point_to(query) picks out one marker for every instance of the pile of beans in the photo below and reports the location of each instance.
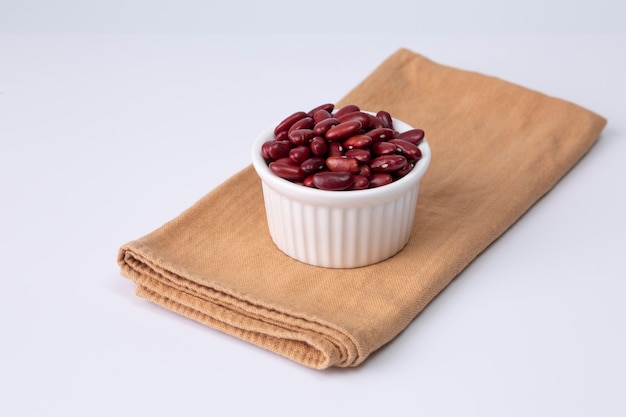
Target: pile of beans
(346, 149)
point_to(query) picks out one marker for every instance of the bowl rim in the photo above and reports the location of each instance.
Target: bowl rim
(337, 198)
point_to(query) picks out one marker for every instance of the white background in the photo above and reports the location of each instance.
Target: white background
(116, 116)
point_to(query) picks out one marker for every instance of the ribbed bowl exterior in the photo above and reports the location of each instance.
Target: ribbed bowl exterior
(339, 237)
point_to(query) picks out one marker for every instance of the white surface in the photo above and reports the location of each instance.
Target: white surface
(111, 124)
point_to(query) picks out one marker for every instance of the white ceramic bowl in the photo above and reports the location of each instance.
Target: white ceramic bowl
(340, 229)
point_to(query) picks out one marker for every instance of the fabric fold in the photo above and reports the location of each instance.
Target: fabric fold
(497, 148)
(302, 339)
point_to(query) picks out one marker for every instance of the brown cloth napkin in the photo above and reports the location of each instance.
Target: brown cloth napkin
(497, 148)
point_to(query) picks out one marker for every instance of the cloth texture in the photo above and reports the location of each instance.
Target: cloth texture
(497, 148)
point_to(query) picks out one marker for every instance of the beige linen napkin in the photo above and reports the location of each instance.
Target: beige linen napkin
(497, 148)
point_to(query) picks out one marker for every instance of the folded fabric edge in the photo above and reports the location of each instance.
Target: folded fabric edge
(403, 55)
(311, 344)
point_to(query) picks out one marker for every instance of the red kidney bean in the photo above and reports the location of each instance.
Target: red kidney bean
(360, 183)
(304, 123)
(322, 127)
(333, 181)
(375, 122)
(415, 136)
(289, 121)
(284, 135)
(364, 118)
(361, 155)
(299, 154)
(301, 136)
(344, 130)
(265, 149)
(342, 163)
(321, 115)
(357, 141)
(313, 165)
(365, 171)
(308, 182)
(285, 160)
(279, 149)
(329, 107)
(383, 148)
(379, 179)
(319, 146)
(287, 171)
(407, 149)
(348, 108)
(385, 117)
(335, 149)
(403, 171)
(380, 134)
(388, 163)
